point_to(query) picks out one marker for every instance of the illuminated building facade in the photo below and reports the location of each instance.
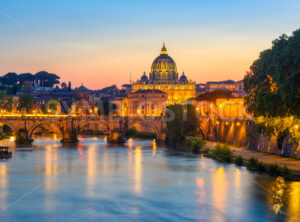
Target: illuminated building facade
(81, 105)
(232, 108)
(164, 77)
(237, 88)
(147, 103)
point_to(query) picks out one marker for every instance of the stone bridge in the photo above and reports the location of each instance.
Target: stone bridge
(68, 127)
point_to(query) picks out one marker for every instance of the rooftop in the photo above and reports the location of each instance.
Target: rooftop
(149, 91)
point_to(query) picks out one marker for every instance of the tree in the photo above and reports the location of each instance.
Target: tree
(25, 77)
(10, 79)
(52, 105)
(214, 95)
(63, 86)
(46, 79)
(9, 104)
(69, 86)
(273, 83)
(106, 108)
(181, 122)
(44, 109)
(6, 102)
(2, 98)
(273, 87)
(26, 102)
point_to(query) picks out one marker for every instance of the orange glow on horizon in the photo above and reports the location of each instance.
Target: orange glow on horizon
(212, 61)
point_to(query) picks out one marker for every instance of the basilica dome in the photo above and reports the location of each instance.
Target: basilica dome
(144, 78)
(183, 78)
(163, 62)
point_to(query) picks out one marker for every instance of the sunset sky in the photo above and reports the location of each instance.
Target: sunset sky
(99, 43)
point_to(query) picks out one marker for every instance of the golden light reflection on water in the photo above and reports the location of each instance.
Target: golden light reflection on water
(130, 143)
(51, 171)
(92, 166)
(12, 139)
(154, 147)
(3, 185)
(219, 185)
(294, 202)
(138, 169)
(51, 168)
(285, 197)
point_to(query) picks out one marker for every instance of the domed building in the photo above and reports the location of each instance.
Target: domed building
(164, 77)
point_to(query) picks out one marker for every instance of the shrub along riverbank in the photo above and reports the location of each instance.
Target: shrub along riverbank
(222, 153)
(133, 133)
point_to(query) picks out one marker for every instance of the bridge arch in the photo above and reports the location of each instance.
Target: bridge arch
(13, 128)
(49, 125)
(95, 125)
(147, 126)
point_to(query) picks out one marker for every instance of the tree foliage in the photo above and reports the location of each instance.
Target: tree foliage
(273, 83)
(6, 102)
(42, 78)
(26, 102)
(214, 95)
(46, 79)
(181, 122)
(106, 108)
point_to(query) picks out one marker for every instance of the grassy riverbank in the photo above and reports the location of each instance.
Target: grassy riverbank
(254, 161)
(257, 161)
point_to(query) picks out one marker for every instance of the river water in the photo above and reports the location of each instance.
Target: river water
(140, 181)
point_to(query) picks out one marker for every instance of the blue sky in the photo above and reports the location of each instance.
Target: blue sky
(102, 42)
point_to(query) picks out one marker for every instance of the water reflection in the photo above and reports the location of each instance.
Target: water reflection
(237, 181)
(294, 202)
(51, 168)
(154, 147)
(3, 185)
(201, 192)
(130, 143)
(219, 184)
(51, 171)
(279, 194)
(140, 181)
(92, 166)
(12, 139)
(138, 169)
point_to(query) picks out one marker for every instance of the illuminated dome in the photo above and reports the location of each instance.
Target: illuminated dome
(163, 69)
(183, 78)
(144, 78)
(163, 62)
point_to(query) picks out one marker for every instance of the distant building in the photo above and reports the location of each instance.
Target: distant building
(226, 85)
(237, 88)
(82, 105)
(232, 108)
(126, 88)
(64, 98)
(27, 86)
(81, 93)
(105, 93)
(200, 88)
(147, 103)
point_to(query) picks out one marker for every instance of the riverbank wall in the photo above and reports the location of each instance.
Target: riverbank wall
(245, 133)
